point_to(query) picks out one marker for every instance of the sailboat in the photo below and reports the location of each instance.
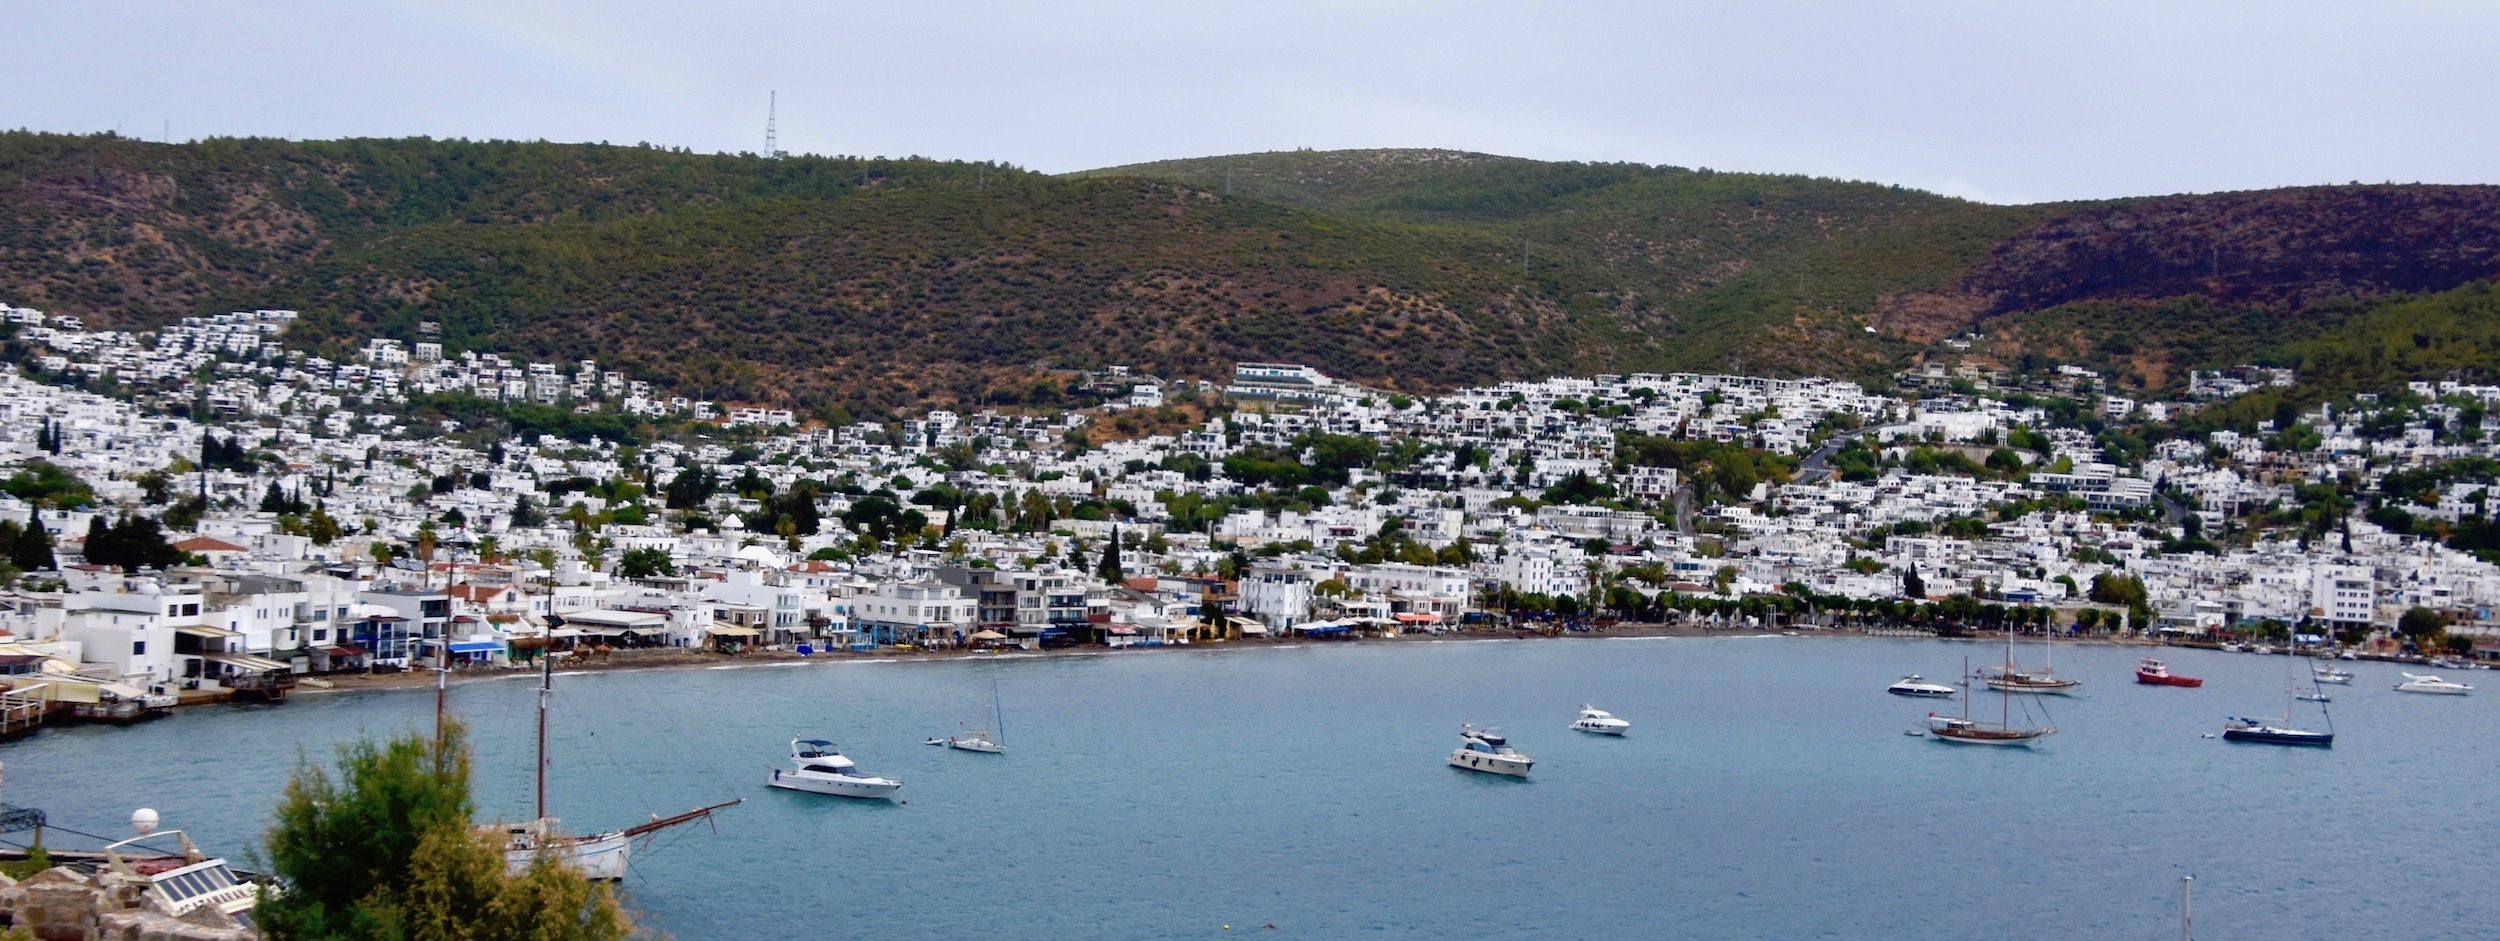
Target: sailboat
(985, 742)
(602, 856)
(2012, 679)
(2262, 732)
(1968, 731)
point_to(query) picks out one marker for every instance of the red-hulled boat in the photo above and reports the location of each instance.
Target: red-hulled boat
(2153, 672)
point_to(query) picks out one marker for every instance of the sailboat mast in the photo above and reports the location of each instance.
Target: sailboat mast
(2186, 932)
(1965, 689)
(998, 711)
(546, 688)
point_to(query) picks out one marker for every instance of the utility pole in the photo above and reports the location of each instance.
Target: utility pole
(1523, 256)
(1228, 181)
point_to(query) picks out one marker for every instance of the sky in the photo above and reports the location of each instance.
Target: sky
(1999, 101)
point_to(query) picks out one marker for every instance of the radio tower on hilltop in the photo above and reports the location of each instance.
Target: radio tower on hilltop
(772, 142)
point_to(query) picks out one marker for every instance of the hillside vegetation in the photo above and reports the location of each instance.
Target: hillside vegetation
(814, 281)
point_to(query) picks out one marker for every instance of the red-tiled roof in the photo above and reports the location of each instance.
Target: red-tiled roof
(208, 544)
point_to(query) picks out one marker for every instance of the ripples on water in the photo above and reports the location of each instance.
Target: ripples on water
(1766, 791)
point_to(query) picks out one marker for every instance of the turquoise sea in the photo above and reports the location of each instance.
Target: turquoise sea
(1766, 791)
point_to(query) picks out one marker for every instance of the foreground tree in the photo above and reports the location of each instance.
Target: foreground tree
(385, 850)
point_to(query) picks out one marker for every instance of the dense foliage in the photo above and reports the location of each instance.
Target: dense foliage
(130, 543)
(385, 851)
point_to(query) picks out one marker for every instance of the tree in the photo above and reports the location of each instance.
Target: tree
(689, 488)
(130, 544)
(321, 527)
(28, 549)
(2113, 588)
(645, 563)
(526, 514)
(386, 849)
(46, 484)
(2421, 624)
(1111, 571)
(1912, 586)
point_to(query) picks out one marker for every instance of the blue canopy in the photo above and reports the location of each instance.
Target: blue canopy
(475, 646)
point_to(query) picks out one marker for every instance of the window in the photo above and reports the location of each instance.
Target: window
(138, 648)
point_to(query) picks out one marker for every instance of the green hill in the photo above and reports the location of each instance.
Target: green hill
(902, 282)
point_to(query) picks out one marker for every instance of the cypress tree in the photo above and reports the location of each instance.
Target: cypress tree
(1110, 570)
(31, 551)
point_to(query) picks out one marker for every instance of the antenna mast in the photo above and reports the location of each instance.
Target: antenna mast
(772, 141)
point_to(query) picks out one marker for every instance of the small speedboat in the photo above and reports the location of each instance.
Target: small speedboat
(1599, 721)
(2153, 672)
(1486, 750)
(2331, 675)
(2309, 694)
(1915, 685)
(818, 767)
(2427, 683)
(2265, 733)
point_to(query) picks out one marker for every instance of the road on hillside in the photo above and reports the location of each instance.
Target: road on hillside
(1818, 464)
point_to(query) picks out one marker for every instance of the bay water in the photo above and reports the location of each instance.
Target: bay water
(1766, 791)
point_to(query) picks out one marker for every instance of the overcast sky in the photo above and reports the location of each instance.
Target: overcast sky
(2013, 101)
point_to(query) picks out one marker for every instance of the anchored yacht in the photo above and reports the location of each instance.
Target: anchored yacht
(1916, 685)
(1487, 751)
(818, 767)
(1599, 721)
(2427, 683)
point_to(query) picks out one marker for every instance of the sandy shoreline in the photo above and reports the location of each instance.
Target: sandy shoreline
(686, 660)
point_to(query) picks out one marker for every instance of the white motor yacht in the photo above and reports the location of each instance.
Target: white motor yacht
(818, 767)
(2427, 683)
(2326, 674)
(1599, 721)
(1487, 751)
(1916, 685)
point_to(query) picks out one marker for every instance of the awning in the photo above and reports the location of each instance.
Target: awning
(203, 630)
(1418, 617)
(1120, 631)
(564, 632)
(350, 650)
(245, 661)
(120, 691)
(988, 635)
(474, 646)
(727, 630)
